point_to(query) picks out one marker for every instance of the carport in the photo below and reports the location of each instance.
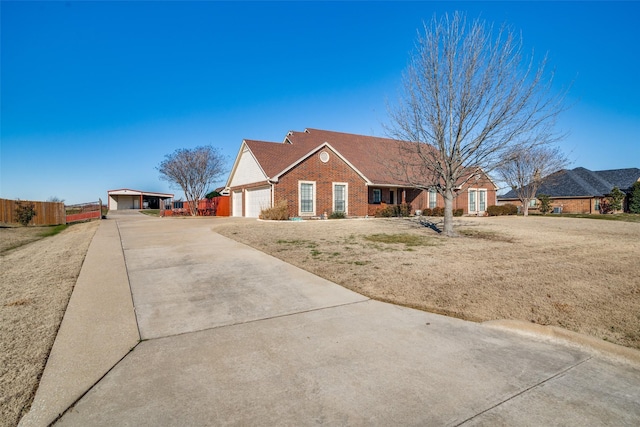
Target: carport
(126, 198)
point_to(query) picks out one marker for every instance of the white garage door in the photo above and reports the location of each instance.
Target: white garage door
(257, 199)
(237, 203)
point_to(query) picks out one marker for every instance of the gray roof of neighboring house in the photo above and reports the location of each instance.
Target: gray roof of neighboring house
(581, 182)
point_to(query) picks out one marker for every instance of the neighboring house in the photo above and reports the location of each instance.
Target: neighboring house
(318, 172)
(580, 190)
(135, 199)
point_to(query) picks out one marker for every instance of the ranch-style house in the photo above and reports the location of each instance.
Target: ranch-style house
(318, 172)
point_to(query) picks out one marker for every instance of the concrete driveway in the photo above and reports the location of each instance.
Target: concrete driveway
(231, 336)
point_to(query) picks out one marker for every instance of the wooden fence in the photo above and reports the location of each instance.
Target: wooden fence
(47, 213)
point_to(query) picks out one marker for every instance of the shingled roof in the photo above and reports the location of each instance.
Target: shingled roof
(369, 155)
(582, 182)
(380, 161)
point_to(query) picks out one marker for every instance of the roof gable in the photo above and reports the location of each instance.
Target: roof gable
(246, 169)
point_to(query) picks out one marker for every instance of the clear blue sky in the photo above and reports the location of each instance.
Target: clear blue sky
(94, 94)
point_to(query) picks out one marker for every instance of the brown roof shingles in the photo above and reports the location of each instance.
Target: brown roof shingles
(378, 159)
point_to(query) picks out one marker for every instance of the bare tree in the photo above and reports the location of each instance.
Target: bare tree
(467, 98)
(524, 169)
(193, 170)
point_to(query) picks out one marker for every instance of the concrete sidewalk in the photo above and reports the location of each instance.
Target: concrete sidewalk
(235, 337)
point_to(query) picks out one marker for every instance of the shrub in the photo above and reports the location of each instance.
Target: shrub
(337, 215)
(458, 212)
(545, 203)
(394, 211)
(279, 212)
(510, 209)
(494, 210)
(634, 199)
(615, 198)
(437, 211)
(25, 211)
(497, 210)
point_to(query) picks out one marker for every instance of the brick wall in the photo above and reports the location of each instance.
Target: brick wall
(583, 205)
(324, 175)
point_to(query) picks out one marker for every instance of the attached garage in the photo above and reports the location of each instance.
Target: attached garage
(236, 201)
(257, 199)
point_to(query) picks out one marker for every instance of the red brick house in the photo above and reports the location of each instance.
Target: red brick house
(580, 190)
(318, 172)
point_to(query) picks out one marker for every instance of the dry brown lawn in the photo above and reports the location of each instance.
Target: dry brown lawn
(36, 280)
(579, 274)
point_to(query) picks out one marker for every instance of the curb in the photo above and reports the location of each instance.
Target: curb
(593, 344)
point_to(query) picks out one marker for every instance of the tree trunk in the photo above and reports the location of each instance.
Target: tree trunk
(448, 213)
(525, 209)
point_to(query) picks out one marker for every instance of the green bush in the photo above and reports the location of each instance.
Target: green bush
(634, 199)
(545, 203)
(25, 211)
(279, 212)
(498, 210)
(394, 211)
(616, 198)
(510, 209)
(337, 215)
(458, 212)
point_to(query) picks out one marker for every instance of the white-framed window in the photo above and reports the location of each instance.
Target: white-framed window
(597, 204)
(432, 198)
(340, 196)
(482, 200)
(477, 200)
(306, 198)
(377, 195)
(533, 203)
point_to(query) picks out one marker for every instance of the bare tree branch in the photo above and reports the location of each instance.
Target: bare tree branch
(468, 98)
(193, 171)
(524, 169)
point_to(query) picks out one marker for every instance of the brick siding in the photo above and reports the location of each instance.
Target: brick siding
(324, 175)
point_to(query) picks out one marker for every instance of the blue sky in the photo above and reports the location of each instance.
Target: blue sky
(94, 94)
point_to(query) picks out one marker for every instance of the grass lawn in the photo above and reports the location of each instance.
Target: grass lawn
(552, 270)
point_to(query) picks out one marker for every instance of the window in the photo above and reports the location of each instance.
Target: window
(533, 203)
(306, 195)
(597, 205)
(472, 201)
(432, 199)
(477, 200)
(377, 195)
(340, 197)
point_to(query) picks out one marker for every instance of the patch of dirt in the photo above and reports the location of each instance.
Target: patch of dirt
(36, 281)
(579, 274)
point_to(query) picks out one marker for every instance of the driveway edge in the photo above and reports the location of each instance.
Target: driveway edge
(594, 344)
(98, 329)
